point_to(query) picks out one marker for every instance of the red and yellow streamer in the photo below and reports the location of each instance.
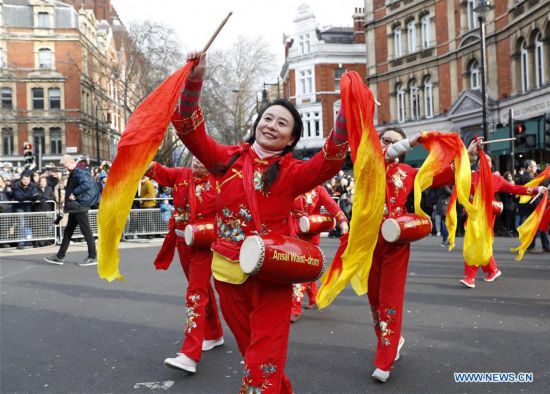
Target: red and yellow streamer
(370, 189)
(137, 148)
(529, 228)
(534, 183)
(479, 236)
(444, 149)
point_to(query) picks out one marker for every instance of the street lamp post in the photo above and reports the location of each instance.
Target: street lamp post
(482, 9)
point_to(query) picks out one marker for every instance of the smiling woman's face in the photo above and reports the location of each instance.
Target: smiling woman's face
(274, 131)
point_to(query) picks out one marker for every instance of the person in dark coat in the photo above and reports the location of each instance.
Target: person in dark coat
(25, 192)
(81, 193)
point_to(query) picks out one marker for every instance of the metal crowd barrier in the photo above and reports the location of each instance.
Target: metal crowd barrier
(17, 227)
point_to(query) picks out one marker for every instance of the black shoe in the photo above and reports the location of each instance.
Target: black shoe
(88, 261)
(54, 260)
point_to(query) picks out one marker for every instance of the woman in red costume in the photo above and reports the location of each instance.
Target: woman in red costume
(194, 199)
(390, 260)
(307, 204)
(257, 185)
(499, 185)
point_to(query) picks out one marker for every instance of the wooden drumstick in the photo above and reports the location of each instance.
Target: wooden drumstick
(222, 24)
(500, 140)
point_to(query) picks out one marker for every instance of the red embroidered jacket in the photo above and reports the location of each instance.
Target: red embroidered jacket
(502, 185)
(310, 203)
(400, 183)
(238, 198)
(194, 199)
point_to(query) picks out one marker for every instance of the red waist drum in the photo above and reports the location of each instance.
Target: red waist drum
(497, 207)
(200, 234)
(282, 259)
(315, 224)
(406, 228)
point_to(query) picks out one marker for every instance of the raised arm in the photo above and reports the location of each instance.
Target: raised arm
(189, 121)
(502, 185)
(164, 176)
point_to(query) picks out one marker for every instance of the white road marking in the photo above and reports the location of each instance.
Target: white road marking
(155, 385)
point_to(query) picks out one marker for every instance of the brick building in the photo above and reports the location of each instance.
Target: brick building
(423, 63)
(60, 79)
(314, 62)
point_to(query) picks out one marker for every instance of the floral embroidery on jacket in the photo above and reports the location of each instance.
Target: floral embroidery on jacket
(200, 188)
(397, 179)
(258, 182)
(192, 303)
(298, 290)
(231, 226)
(182, 215)
(309, 198)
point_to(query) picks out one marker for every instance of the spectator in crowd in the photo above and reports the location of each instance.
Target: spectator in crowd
(509, 207)
(6, 195)
(147, 193)
(24, 191)
(35, 177)
(45, 193)
(81, 193)
(6, 171)
(53, 176)
(441, 210)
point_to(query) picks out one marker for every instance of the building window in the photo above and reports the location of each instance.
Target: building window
(55, 140)
(3, 62)
(312, 124)
(6, 97)
(428, 98)
(524, 67)
(54, 96)
(306, 81)
(7, 140)
(37, 98)
(415, 105)
(44, 20)
(337, 76)
(39, 141)
(539, 60)
(397, 49)
(472, 16)
(45, 59)
(426, 31)
(411, 37)
(400, 103)
(304, 44)
(474, 76)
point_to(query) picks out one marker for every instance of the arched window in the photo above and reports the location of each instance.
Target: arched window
(397, 49)
(539, 60)
(55, 140)
(39, 141)
(411, 36)
(428, 98)
(474, 76)
(413, 98)
(45, 59)
(7, 140)
(524, 66)
(400, 94)
(426, 31)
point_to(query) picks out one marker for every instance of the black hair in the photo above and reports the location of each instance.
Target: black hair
(270, 174)
(398, 130)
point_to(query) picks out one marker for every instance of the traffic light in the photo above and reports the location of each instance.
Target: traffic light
(519, 133)
(547, 132)
(28, 155)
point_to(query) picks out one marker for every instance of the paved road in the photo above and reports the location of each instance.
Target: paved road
(64, 330)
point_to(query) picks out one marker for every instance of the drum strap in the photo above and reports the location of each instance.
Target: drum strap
(248, 184)
(191, 196)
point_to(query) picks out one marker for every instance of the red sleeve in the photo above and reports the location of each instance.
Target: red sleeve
(306, 175)
(445, 178)
(163, 175)
(328, 202)
(502, 185)
(191, 131)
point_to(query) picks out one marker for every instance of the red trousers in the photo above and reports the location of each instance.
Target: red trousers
(470, 271)
(203, 321)
(386, 292)
(298, 293)
(257, 313)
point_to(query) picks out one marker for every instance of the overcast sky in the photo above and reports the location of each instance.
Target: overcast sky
(195, 21)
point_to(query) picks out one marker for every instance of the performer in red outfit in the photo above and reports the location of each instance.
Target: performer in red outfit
(390, 260)
(194, 199)
(257, 185)
(499, 185)
(308, 204)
